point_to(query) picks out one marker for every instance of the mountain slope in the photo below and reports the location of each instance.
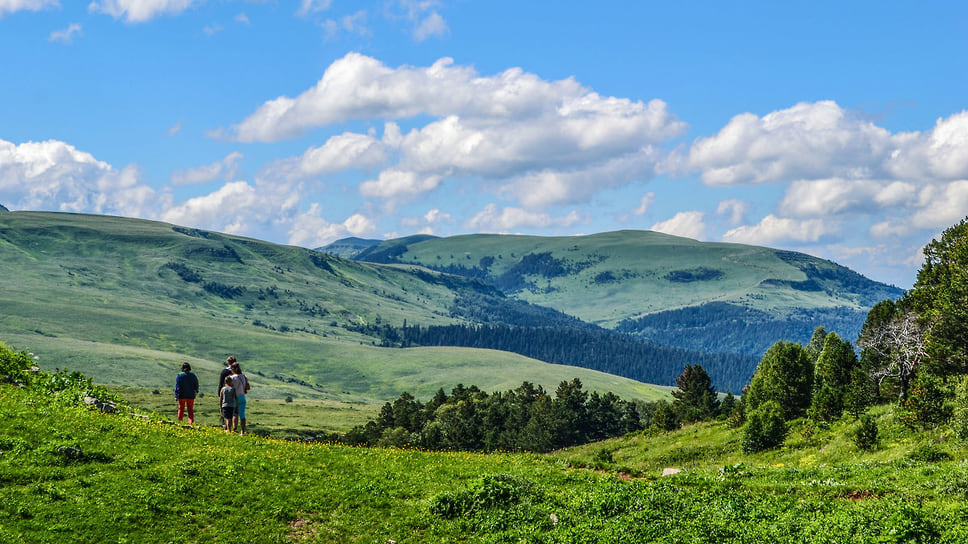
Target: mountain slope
(705, 296)
(127, 300)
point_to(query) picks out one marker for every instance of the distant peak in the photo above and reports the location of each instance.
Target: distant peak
(3, 208)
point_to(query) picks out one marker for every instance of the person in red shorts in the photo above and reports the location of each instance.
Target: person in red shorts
(186, 389)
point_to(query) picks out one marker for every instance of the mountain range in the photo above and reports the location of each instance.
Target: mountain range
(674, 291)
(126, 300)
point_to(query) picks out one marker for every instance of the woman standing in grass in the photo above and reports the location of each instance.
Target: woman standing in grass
(226, 399)
(186, 389)
(241, 384)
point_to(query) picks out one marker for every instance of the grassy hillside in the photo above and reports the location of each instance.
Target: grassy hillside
(622, 279)
(127, 301)
(72, 474)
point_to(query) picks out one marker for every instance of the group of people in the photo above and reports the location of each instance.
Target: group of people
(233, 386)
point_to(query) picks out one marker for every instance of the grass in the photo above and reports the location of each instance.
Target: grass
(72, 474)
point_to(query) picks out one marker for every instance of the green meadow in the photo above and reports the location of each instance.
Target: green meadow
(69, 473)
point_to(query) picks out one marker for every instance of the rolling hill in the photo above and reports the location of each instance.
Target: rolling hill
(711, 297)
(126, 301)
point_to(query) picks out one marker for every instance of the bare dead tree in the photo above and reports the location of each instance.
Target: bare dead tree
(902, 342)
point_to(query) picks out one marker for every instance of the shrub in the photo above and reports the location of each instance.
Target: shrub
(959, 420)
(865, 436)
(765, 428)
(925, 405)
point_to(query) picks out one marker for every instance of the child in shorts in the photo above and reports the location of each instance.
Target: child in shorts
(226, 397)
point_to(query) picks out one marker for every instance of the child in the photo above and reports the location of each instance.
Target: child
(226, 397)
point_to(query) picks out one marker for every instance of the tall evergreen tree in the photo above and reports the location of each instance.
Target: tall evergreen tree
(832, 378)
(940, 297)
(695, 397)
(784, 375)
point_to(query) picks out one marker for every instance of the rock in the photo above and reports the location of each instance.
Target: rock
(70, 452)
(669, 471)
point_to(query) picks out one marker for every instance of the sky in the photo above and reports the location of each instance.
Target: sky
(838, 129)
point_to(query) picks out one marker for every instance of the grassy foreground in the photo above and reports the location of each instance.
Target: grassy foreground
(72, 474)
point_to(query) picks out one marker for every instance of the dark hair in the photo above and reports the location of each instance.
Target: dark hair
(186, 367)
(230, 359)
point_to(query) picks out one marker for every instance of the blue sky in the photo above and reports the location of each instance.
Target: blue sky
(835, 128)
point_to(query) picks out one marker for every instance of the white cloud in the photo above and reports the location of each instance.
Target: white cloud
(53, 175)
(212, 29)
(734, 209)
(686, 224)
(360, 87)
(772, 229)
(939, 154)
(225, 169)
(242, 18)
(807, 141)
(307, 7)
(139, 11)
(67, 35)
(226, 210)
(644, 204)
(354, 24)
(340, 152)
(311, 230)
(12, 6)
(492, 219)
(175, 129)
(549, 142)
(425, 224)
(431, 25)
(942, 206)
(399, 185)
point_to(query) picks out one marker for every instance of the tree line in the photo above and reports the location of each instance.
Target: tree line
(527, 418)
(585, 347)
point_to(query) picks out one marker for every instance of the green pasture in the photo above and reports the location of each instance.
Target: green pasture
(70, 474)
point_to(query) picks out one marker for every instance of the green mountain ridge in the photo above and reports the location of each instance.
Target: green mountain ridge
(713, 297)
(126, 300)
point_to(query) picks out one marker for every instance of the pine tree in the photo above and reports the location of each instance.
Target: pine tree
(695, 397)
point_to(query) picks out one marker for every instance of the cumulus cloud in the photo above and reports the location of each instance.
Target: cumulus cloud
(11, 6)
(360, 87)
(939, 154)
(809, 140)
(54, 175)
(224, 169)
(772, 229)
(425, 224)
(541, 142)
(311, 230)
(341, 152)
(140, 11)
(942, 205)
(67, 35)
(494, 219)
(735, 210)
(431, 25)
(687, 224)
(399, 185)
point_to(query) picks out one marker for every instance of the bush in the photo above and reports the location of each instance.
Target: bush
(959, 420)
(765, 428)
(925, 406)
(865, 436)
